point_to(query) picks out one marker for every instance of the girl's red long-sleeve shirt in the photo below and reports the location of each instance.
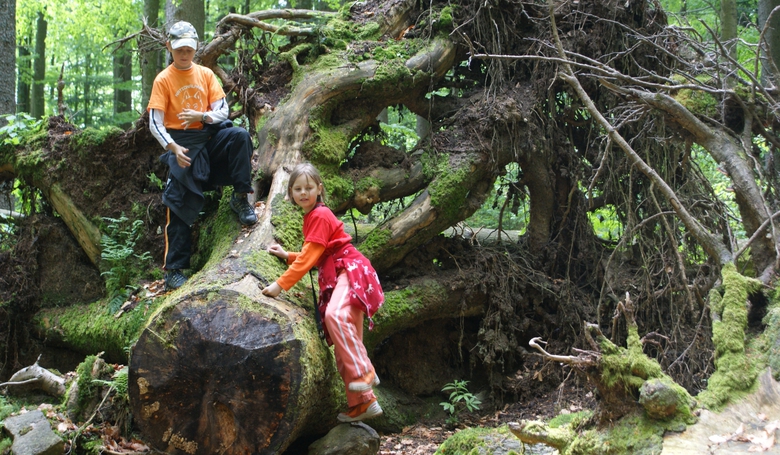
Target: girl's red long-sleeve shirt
(327, 246)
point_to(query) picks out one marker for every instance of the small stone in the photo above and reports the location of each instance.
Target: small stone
(32, 435)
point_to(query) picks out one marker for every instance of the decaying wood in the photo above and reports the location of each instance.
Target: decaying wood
(35, 377)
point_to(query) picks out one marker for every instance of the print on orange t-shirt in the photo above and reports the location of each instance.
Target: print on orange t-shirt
(175, 90)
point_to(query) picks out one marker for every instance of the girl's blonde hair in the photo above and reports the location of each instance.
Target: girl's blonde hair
(309, 171)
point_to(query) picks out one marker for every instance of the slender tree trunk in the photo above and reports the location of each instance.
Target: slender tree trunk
(39, 68)
(771, 58)
(8, 56)
(150, 58)
(192, 11)
(123, 74)
(728, 24)
(24, 70)
(87, 89)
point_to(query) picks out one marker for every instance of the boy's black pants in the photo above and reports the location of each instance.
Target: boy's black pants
(230, 161)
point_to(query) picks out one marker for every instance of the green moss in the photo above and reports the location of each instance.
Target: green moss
(327, 144)
(401, 305)
(735, 372)
(6, 408)
(217, 234)
(368, 183)
(449, 190)
(630, 366)
(287, 219)
(91, 137)
(698, 102)
(338, 188)
(480, 441)
(28, 164)
(769, 341)
(337, 33)
(89, 328)
(86, 387)
(291, 55)
(573, 419)
(374, 241)
(445, 17)
(634, 434)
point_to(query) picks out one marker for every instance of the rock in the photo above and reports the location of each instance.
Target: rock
(32, 435)
(659, 399)
(354, 438)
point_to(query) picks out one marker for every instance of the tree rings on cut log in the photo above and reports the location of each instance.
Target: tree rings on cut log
(211, 375)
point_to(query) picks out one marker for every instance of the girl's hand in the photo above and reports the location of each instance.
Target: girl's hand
(278, 251)
(272, 290)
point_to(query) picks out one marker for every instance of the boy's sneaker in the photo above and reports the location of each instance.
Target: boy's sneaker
(361, 412)
(246, 213)
(367, 382)
(174, 279)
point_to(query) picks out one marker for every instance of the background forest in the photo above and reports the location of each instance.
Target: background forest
(574, 195)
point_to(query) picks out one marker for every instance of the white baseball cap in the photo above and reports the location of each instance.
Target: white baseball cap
(183, 34)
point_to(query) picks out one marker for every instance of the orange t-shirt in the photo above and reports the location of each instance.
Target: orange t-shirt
(175, 90)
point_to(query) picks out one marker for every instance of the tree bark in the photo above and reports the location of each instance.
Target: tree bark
(728, 34)
(24, 72)
(38, 105)
(123, 74)
(150, 56)
(8, 57)
(770, 59)
(192, 11)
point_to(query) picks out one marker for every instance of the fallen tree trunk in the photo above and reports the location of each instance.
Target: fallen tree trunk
(220, 372)
(36, 377)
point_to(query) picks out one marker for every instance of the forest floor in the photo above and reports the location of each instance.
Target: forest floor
(424, 438)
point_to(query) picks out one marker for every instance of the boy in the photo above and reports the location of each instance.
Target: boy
(188, 116)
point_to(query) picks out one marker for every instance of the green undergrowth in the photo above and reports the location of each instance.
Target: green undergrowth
(6, 409)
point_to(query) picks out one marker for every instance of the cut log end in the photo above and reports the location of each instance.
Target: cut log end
(210, 375)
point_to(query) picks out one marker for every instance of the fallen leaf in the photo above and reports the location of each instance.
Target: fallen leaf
(717, 439)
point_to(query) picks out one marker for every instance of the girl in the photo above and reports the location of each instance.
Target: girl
(349, 287)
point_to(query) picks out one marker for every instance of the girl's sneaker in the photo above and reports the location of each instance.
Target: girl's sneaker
(361, 412)
(366, 383)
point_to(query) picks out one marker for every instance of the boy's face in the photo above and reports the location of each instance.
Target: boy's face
(182, 57)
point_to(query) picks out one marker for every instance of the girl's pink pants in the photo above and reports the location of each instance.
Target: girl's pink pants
(345, 326)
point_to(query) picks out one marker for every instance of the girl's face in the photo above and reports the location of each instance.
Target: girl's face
(305, 192)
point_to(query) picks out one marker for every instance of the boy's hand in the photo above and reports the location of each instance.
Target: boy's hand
(278, 251)
(189, 116)
(181, 158)
(272, 290)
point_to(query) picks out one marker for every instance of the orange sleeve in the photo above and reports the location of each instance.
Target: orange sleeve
(302, 263)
